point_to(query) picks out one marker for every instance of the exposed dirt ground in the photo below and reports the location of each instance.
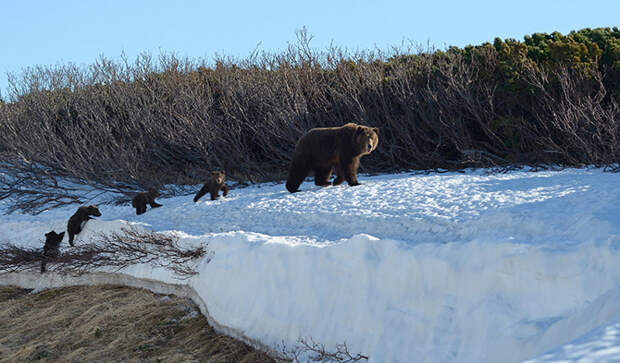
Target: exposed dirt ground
(110, 323)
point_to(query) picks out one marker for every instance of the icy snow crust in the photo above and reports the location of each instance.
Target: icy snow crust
(442, 267)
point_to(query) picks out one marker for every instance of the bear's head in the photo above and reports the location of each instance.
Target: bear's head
(92, 210)
(366, 139)
(53, 239)
(153, 192)
(218, 177)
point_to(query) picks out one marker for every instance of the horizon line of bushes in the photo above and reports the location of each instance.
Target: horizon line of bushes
(124, 126)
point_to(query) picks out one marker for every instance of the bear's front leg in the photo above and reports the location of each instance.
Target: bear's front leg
(224, 190)
(350, 172)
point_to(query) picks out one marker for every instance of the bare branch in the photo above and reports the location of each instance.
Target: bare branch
(307, 349)
(115, 250)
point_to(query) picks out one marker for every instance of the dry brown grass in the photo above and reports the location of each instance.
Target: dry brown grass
(110, 323)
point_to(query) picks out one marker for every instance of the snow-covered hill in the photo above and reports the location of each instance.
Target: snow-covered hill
(442, 267)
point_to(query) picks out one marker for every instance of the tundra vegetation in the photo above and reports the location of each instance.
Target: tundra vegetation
(125, 125)
(110, 323)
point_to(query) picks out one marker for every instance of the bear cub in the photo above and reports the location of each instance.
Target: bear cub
(141, 199)
(213, 186)
(323, 150)
(50, 249)
(81, 215)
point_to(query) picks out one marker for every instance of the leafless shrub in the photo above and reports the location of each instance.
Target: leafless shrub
(132, 246)
(115, 250)
(307, 350)
(34, 188)
(126, 126)
(15, 258)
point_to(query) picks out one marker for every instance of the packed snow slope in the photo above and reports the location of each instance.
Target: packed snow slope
(469, 267)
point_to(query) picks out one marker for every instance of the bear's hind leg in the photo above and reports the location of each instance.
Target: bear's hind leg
(322, 175)
(201, 192)
(339, 176)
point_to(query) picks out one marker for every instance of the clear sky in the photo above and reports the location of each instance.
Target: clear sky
(48, 32)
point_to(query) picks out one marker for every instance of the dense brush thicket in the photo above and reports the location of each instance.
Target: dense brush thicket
(127, 125)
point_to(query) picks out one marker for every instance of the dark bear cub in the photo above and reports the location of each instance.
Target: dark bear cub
(323, 150)
(141, 199)
(82, 215)
(213, 186)
(50, 249)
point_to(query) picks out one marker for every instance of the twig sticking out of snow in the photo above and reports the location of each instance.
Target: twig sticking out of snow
(307, 349)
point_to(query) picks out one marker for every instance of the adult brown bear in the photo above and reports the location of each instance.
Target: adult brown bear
(324, 149)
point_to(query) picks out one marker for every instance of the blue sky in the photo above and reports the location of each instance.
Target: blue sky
(58, 32)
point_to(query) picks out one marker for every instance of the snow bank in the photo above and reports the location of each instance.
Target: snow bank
(599, 345)
(451, 267)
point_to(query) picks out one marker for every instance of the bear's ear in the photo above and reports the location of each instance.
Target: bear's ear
(359, 130)
(376, 130)
(61, 234)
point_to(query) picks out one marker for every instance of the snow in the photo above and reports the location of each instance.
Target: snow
(600, 345)
(468, 267)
